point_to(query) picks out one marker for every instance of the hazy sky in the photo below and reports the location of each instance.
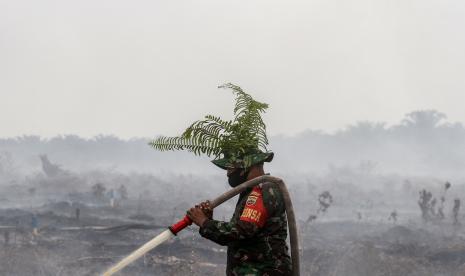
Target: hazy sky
(141, 68)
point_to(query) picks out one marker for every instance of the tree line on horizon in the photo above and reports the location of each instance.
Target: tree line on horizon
(422, 140)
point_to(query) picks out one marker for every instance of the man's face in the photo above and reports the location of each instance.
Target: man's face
(236, 176)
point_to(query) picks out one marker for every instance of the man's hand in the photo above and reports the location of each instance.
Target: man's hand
(197, 215)
(206, 213)
(207, 209)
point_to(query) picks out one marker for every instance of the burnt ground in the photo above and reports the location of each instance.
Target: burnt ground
(357, 249)
(67, 246)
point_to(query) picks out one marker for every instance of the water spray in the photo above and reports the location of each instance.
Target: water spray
(186, 221)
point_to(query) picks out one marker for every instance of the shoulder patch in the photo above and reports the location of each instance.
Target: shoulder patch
(254, 210)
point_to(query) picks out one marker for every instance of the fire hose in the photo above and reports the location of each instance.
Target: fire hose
(186, 221)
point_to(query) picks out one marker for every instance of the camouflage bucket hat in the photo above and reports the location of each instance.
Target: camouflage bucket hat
(248, 160)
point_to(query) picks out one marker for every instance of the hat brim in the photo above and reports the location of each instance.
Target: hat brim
(225, 163)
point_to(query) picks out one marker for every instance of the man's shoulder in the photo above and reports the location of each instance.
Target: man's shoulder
(272, 197)
(270, 189)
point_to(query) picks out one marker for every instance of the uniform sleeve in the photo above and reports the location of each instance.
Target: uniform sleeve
(222, 232)
(253, 217)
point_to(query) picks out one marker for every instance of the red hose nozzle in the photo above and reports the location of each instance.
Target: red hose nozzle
(178, 226)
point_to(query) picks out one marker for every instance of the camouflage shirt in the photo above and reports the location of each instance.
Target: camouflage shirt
(255, 235)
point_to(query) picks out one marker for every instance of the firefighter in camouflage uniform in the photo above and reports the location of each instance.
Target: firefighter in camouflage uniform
(256, 234)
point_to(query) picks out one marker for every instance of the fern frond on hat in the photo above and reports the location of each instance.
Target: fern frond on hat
(237, 143)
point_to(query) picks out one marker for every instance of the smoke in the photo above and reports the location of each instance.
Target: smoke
(424, 143)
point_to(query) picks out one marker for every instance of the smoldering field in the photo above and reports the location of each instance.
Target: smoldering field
(95, 201)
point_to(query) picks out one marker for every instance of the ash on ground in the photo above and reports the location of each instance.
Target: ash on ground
(63, 223)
